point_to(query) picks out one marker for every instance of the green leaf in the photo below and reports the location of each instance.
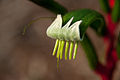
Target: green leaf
(118, 47)
(105, 5)
(116, 11)
(51, 5)
(89, 18)
(90, 52)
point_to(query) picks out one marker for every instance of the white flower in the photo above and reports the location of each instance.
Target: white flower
(69, 32)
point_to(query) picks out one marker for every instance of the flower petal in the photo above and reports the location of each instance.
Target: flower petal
(62, 31)
(54, 27)
(74, 32)
(68, 23)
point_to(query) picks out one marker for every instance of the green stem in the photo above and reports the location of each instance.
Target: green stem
(51, 5)
(118, 47)
(116, 11)
(105, 5)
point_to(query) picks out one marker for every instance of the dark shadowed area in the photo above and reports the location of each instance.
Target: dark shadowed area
(29, 57)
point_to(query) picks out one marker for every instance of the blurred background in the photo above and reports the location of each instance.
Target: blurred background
(29, 57)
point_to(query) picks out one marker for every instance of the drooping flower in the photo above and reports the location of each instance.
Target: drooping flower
(69, 33)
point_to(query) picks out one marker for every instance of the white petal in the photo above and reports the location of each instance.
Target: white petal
(74, 33)
(68, 23)
(57, 22)
(76, 24)
(53, 28)
(63, 32)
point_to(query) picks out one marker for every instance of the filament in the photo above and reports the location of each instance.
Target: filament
(75, 50)
(61, 51)
(66, 49)
(71, 50)
(60, 45)
(55, 48)
(58, 63)
(59, 48)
